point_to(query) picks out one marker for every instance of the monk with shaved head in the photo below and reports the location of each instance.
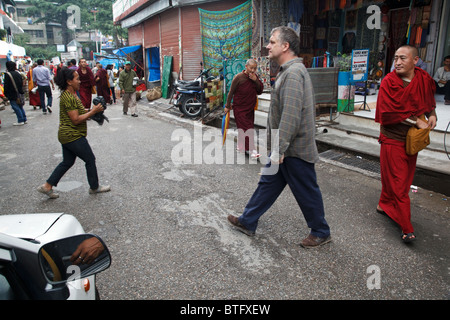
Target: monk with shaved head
(242, 99)
(406, 95)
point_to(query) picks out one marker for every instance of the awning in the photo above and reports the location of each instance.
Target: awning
(11, 49)
(126, 50)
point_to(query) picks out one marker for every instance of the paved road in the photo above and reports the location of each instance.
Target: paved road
(165, 222)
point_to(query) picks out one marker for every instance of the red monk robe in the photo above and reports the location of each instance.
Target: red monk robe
(87, 82)
(397, 102)
(102, 84)
(244, 93)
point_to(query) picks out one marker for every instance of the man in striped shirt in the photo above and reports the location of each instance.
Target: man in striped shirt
(292, 118)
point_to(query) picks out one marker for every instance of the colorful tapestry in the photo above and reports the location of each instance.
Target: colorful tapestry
(226, 34)
(263, 71)
(214, 94)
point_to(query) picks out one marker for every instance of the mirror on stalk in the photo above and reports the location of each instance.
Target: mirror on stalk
(73, 258)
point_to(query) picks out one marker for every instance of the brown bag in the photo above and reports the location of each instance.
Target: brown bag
(417, 139)
(20, 97)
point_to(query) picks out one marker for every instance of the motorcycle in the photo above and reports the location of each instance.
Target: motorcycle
(49, 257)
(188, 95)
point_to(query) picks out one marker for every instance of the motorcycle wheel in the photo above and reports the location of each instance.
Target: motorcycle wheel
(190, 106)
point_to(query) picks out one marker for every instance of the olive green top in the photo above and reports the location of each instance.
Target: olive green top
(69, 132)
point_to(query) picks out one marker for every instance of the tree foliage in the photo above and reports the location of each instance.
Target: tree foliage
(95, 15)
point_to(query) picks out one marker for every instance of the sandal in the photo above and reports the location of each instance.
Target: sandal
(381, 211)
(408, 237)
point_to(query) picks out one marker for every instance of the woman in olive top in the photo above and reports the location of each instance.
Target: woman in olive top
(72, 134)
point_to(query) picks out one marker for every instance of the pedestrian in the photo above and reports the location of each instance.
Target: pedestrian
(34, 99)
(442, 79)
(14, 92)
(42, 79)
(87, 83)
(128, 89)
(404, 96)
(111, 80)
(72, 134)
(118, 93)
(102, 83)
(72, 64)
(292, 116)
(244, 89)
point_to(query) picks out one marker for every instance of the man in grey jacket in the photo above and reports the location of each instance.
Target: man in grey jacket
(292, 117)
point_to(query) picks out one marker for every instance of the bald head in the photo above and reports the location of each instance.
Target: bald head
(413, 50)
(251, 62)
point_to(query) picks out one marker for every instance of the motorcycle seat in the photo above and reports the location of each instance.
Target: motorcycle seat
(189, 87)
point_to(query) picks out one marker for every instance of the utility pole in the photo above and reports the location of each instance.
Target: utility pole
(94, 11)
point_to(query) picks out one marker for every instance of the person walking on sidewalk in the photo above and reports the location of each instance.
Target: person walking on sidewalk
(72, 134)
(292, 115)
(244, 90)
(128, 89)
(405, 94)
(14, 92)
(42, 79)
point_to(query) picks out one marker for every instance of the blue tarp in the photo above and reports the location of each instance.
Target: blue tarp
(115, 62)
(126, 50)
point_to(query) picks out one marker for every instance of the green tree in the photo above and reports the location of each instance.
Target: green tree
(52, 11)
(100, 17)
(95, 15)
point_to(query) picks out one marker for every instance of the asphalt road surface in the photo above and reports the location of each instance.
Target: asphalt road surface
(165, 225)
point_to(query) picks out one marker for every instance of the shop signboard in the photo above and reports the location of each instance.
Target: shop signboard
(360, 65)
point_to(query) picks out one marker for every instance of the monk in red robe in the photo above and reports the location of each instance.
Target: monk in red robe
(35, 100)
(87, 83)
(243, 91)
(101, 80)
(405, 94)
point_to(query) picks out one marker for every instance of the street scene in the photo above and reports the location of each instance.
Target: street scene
(165, 224)
(230, 167)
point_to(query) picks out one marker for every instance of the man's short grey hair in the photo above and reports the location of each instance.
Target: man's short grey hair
(288, 35)
(251, 61)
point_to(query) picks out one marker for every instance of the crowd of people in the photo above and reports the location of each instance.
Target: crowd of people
(405, 100)
(35, 83)
(77, 84)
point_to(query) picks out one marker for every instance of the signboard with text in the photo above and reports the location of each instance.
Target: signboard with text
(360, 65)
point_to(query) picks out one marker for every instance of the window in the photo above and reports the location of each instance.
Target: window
(35, 33)
(6, 292)
(21, 12)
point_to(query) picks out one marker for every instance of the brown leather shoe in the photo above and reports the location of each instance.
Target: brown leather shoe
(235, 222)
(313, 241)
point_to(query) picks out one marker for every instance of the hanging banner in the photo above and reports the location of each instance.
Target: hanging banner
(360, 65)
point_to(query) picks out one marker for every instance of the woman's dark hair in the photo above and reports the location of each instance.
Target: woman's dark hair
(62, 76)
(10, 66)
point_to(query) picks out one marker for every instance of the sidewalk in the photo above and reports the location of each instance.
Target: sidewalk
(358, 132)
(442, 110)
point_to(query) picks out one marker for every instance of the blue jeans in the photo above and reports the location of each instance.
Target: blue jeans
(45, 91)
(301, 178)
(18, 109)
(78, 148)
